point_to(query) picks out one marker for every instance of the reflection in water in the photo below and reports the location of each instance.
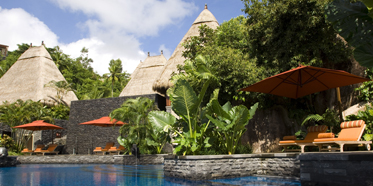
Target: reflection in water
(113, 175)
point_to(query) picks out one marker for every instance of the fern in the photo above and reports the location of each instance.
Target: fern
(313, 117)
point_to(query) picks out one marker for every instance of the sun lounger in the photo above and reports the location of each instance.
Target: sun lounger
(350, 135)
(51, 150)
(104, 150)
(312, 133)
(38, 149)
(117, 150)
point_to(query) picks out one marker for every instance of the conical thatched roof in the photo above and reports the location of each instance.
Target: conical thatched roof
(144, 76)
(28, 75)
(163, 83)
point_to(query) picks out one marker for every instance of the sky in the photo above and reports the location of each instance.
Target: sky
(110, 29)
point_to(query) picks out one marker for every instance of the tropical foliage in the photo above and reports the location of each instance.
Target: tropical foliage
(283, 33)
(231, 122)
(138, 130)
(354, 22)
(22, 112)
(329, 118)
(367, 116)
(193, 130)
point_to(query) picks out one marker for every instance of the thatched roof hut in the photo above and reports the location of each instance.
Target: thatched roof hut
(163, 81)
(28, 75)
(144, 76)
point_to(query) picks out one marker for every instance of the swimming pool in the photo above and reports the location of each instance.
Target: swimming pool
(108, 174)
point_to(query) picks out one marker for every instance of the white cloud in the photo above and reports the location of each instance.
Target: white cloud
(114, 27)
(141, 18)
(18, 26)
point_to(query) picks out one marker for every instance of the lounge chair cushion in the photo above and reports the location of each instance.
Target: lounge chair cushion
(352, 124)
(325, 135)
(26, 150)
(51, 148)
(289, 138)
(311, 135)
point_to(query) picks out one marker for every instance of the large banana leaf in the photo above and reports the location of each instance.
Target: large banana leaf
(161, 120)
(183, 99)
(354, 23)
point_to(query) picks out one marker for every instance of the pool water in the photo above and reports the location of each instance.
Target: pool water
(104, 174)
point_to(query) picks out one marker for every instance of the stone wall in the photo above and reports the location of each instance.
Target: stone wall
(348, 168)
(48, 135)
(267, 128)
(82, 139)
(92, 159)
(9, 161)
(151, 159)
(224, 166)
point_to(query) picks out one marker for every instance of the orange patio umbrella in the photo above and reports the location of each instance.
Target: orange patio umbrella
(39, 125)
(104, 122)
(305, 80)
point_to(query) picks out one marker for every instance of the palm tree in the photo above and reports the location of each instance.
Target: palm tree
(115, 69)
(134, 112)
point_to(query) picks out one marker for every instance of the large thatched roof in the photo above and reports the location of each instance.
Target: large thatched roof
(144, 76)
(27, 77)
(163, 83)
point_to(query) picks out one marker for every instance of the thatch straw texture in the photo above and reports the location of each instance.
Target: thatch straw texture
(27, 77)
(163, 81)
(144, 76)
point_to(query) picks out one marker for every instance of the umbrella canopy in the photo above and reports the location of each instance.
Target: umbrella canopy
(38, 125)
(304, 80)
(104, 122)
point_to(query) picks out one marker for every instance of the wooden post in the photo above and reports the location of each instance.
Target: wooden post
(339, 103)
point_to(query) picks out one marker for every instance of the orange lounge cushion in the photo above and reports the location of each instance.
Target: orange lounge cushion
(325, 135)
(334, 139)
(289, 138)
(113, 149)
(98, 149)
(352, 124)
(51, 148)
(296, 141)
(26, 150)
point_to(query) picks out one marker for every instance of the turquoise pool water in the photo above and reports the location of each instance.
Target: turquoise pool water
(104, 174)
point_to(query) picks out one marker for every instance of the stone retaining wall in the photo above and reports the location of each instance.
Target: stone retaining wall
(10, 161)
(224, 166)
(348, 168)
(92, 159)
(82, 139)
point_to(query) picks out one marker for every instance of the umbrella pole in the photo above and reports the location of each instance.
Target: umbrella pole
(339, 103)
(52, 136)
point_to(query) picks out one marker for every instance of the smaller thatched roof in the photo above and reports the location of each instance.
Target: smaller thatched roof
(144, 76)
(163, 81)
(28, 75)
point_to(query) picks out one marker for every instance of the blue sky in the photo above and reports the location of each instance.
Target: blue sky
(110, 29)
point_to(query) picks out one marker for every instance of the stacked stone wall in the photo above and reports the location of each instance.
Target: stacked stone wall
(82, 139)
(92, 159)
(221, 166)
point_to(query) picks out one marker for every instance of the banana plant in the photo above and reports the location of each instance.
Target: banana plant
(231, 122)
(191, 126)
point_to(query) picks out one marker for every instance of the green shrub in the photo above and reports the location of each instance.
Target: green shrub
(7, 142)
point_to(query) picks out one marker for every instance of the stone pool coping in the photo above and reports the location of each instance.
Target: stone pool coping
(92, 159)
(234, 156)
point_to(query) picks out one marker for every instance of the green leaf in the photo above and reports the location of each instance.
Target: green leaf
(160, 120)
(183, 99)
